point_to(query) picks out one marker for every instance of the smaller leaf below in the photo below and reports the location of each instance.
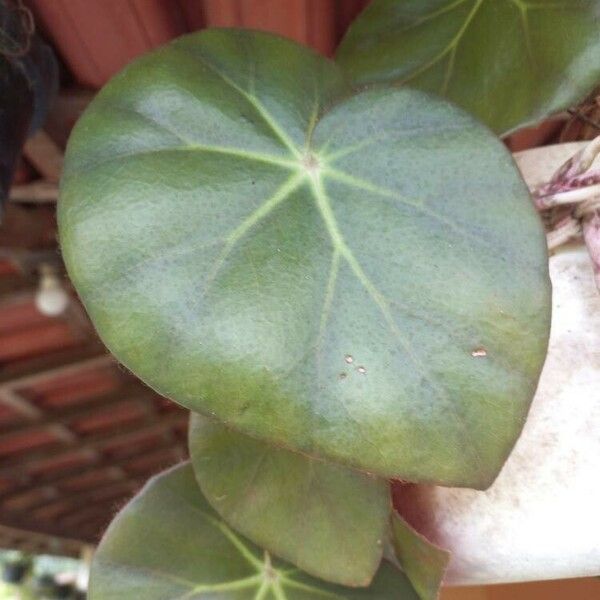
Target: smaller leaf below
(168, 544)
(327, 519)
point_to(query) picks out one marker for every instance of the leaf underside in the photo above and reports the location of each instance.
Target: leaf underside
(360, 278)
(169, 544)
(327, 520)
(423, 562)
(508, 62)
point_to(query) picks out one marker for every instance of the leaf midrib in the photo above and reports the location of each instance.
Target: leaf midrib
(451, 48)
(323, 203)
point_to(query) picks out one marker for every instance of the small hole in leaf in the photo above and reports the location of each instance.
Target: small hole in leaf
(361, 370)
(349, 359)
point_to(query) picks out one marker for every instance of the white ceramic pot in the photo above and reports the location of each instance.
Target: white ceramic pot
(541, 517)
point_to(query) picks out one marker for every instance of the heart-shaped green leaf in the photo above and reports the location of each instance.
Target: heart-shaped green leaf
(168, 543)
(509, 62)
(423, 562)
(363, 280)
(326, 519)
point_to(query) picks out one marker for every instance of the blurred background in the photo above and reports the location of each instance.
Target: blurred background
(78, 433)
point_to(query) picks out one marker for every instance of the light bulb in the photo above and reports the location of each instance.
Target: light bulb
(51, 298)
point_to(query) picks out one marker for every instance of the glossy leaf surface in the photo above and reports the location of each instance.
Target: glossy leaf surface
(360, 279)
(509, 62)
(326, 519)
(169, 543)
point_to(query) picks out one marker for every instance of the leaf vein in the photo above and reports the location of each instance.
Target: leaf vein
(250, 98)
(353, 181)
(237, 584)
(449, 48)
(379, 299)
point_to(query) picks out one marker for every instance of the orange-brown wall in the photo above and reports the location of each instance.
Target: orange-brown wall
(96, 38)
(569, 589)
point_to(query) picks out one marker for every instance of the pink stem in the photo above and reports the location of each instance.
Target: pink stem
(591, 235)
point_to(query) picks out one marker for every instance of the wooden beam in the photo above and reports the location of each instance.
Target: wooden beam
(96, 406)
(31, 412)
(45, 155)
(14, 286)
(9, 531)
(69, 504)
(81, 518)
(52, 365)
(37, 192)
(19, 405)
(33, 529)
(58, 425)
(93, 443)
(116, 467)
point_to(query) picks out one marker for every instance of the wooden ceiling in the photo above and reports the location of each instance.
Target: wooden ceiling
(78, 433)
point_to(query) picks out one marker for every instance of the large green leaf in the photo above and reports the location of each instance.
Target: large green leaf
(423, 562)
(168, 544)
(363, 280)
(509, 62)
(326, 519)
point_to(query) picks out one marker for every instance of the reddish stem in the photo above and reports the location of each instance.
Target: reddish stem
(591, 235)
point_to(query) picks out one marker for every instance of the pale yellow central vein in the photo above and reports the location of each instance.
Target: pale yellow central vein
(344, 251)
(240, 546)
(283, 192)
(251, 98)
(238, 584)
(450, 47)
(278, 591)
(263, 590)
(337, 239)
(357, 182)
(369, 186)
